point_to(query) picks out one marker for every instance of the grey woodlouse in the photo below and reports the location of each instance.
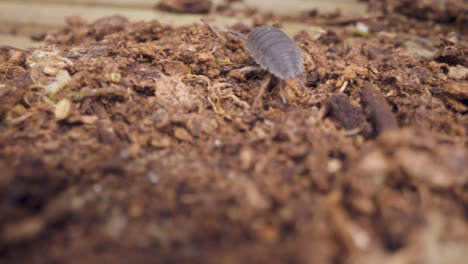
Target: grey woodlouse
(275, 52)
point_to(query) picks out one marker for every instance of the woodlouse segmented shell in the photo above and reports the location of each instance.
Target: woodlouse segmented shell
(275, 52)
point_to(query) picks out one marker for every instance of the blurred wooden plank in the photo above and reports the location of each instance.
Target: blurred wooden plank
(18, 42)
(116, 3)
(32, 18)
(26, 29)
(289, 7)
(294, 7)
(52, 15)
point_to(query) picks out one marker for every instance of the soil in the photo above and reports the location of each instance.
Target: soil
(138, 142)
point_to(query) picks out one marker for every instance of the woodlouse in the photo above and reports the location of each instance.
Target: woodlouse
(275, 52)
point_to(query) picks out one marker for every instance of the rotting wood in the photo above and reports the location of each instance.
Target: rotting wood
(348, 116)
(378, 110)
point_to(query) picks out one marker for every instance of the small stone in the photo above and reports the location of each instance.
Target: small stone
(62, 109)
(115, 77)
(246, 157)
(97, 188)
(84, 119)
(458, 72)
(334, 165)
(362, 29)
(213, 73)
(237, 74)
(50, 71)
(374, 163)
(152, 177)
(176, 68)
(182, 134)
(163, 142)
(23, 230)
(62, 80)
(145, 50)
(205, 57)
(136, 209)
(268, 234)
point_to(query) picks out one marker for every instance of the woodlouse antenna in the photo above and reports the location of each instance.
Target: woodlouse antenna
(263, 87)
(233, 33)
(281, 90)
(217, 31)
(210, 28)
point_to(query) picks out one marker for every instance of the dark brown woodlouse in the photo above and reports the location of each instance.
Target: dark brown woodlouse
(275, 52)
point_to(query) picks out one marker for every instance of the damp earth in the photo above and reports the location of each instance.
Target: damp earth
(125, 141)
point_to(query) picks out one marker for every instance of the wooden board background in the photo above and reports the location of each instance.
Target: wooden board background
(26, 17)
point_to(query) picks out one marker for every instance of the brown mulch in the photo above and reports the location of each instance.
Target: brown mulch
(138, 142)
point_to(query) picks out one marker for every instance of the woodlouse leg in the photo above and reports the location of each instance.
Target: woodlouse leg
(263, 87)
(281, 90)
(247, 69)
